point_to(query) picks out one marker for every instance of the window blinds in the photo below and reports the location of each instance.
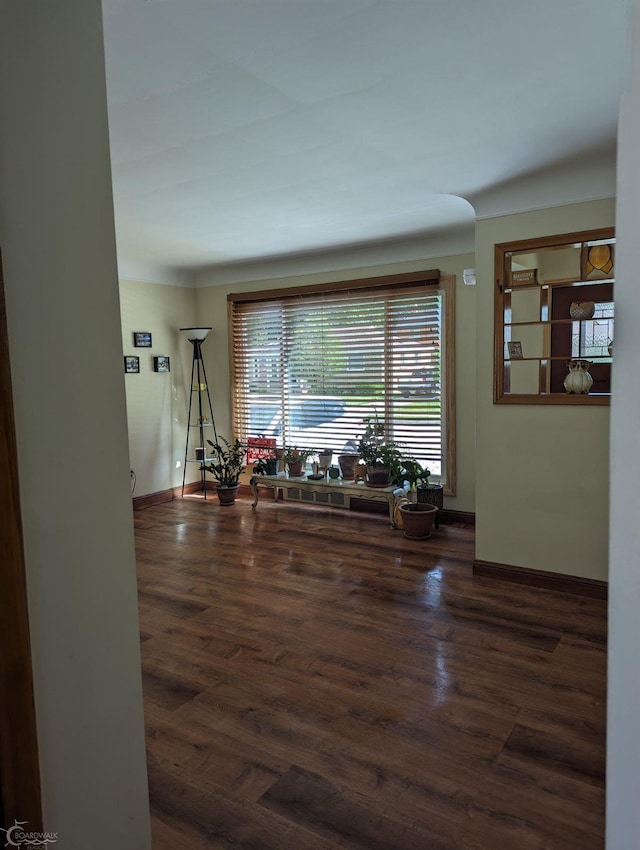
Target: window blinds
(310, 369)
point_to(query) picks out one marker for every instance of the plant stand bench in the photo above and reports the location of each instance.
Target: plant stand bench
(332, 492)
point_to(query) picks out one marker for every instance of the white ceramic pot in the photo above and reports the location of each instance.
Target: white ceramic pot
(324, 459)
(578, 381)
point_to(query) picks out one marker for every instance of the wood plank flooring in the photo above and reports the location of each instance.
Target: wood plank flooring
(313, 680)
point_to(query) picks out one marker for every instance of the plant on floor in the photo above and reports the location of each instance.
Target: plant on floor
(226, 466)
(425, 493)
(418, 519)
(413, 472)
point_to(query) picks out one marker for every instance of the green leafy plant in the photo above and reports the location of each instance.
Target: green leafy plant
(227, 464)
(376, 451)
(293, 453)
(413, 472)
(373, 449)
(371, 441)
(266, 466)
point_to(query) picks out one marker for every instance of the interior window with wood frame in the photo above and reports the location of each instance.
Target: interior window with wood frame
(312, 365)
(554, 319)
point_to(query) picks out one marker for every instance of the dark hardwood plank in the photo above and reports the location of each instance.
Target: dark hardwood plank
(165, 689)
(554, 752)
(314, 802)
(208, 815)
(182, 605)
(245, 770)
(315, 679)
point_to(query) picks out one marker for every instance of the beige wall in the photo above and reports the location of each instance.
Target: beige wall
(212, 310)
(623, 701)
(157, 403)
(58, 244)
(541, 471)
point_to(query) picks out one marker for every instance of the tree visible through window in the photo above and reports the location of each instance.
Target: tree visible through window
(311, 368)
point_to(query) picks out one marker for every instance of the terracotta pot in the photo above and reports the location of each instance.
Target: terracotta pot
(227, 495)
(348, 466)
(418, 520)
(378, 476)
(295, 468)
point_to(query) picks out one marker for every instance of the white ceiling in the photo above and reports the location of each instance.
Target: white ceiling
(243, 130)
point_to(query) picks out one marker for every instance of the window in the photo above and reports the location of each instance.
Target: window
(312, 365)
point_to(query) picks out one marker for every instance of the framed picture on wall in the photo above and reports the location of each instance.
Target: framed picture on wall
(142, 339)
(515, 350)
(131, 365)
(161, 364)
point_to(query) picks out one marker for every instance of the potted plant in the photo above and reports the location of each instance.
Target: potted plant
(324, 460)
(347, 463)
(266, 466)
(416, 474)
(226, 466)
(295, 460)
(383, 459)
(418, 519)
(418, 478)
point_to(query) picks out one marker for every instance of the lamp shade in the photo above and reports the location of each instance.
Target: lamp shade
(195, 333)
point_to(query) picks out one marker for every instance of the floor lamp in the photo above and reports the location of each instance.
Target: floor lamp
(199, 387)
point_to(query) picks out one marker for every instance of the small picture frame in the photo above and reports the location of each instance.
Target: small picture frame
(132, 365)
(161, 364)
(142, 339)
(515, 350)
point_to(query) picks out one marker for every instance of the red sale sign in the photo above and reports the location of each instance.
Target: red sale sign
(260, 447)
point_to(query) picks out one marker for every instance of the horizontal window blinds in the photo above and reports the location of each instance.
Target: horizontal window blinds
(309, 370)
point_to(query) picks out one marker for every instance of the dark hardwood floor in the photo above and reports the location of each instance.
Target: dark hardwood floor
(313, 679)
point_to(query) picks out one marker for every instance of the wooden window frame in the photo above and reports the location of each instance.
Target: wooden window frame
(445, 283)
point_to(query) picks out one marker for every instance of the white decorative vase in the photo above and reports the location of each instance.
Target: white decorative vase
(578, 381)
(582, 309)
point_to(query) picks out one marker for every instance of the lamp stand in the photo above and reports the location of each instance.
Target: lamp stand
(199, 386)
